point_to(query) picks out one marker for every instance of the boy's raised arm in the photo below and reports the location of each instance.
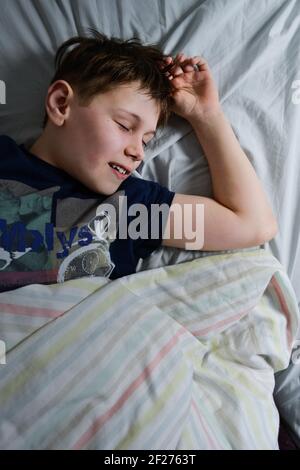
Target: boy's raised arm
(240, 215)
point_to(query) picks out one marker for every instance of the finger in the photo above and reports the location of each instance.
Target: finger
(167, 60)
(183, 64)
(193, 60)
(177, 68)
(167, 65)
(181, 57)
(201, 63)
(186, 64)
(177, 71)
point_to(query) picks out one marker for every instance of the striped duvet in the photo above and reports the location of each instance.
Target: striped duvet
(181, 357)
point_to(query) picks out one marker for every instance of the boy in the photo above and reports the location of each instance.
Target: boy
(59, 198)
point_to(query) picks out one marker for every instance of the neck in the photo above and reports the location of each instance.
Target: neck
(42, 149)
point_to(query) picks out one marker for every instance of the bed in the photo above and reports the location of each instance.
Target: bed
(197, 350)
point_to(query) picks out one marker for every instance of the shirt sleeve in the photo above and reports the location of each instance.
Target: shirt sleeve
(157, 200)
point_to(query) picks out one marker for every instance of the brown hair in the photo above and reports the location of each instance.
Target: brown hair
(97, 64)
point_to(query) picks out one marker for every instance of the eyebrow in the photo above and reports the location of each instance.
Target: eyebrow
(137, 118)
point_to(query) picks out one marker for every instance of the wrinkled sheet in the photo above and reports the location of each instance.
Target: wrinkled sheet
(181, 357)
(253, 49)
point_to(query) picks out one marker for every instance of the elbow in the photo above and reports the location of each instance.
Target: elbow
(268, 231)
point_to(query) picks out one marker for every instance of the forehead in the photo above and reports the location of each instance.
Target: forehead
(132, 102)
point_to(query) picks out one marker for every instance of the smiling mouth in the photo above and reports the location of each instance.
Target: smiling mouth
(120, 169)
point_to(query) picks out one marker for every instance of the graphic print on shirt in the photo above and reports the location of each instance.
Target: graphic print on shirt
(24, 215)
(93, 259)
(45, 239)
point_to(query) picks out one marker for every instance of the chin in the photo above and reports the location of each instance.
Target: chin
(106, 190)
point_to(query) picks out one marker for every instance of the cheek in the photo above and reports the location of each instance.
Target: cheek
(102, 145)
(95, 139)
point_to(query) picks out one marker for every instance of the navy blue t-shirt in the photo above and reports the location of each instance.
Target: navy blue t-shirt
(53, 228)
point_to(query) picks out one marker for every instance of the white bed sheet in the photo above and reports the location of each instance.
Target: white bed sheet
(252, 48)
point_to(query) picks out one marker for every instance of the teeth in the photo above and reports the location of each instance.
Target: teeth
(120, 169)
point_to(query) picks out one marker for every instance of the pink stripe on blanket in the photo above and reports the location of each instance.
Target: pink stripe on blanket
(99, 422)
(222, 323)
(284, 309)
(29, 311)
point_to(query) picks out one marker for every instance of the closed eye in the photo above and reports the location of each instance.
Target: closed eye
(125, 129)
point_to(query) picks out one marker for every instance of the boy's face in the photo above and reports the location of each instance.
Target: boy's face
(104, 133)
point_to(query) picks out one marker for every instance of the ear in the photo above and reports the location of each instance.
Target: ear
(58, 100)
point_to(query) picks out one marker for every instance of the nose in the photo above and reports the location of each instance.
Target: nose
(135, 151)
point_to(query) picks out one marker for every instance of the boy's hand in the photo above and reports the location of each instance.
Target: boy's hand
(194, 92)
